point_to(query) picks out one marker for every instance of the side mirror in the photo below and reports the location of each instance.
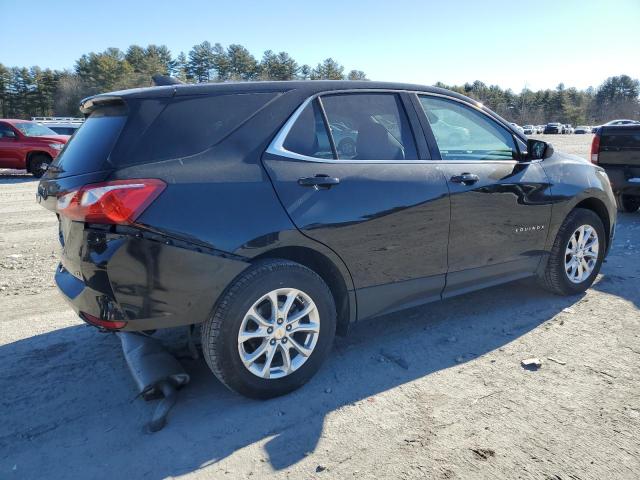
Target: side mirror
(538, 150)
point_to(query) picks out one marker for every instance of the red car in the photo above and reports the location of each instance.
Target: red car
(27, 145)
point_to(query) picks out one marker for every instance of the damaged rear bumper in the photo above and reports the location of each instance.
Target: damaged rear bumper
(140, 282)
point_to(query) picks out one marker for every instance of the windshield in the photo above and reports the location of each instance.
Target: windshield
(33, 129)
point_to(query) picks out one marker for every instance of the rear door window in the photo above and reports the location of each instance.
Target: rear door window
(463, 133)
(369, 126)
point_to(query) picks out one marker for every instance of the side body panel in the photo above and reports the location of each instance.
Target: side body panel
(389, 222)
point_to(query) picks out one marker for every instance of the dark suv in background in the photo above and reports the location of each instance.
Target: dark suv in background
(616, 148)
(553, 128)
(235, 206)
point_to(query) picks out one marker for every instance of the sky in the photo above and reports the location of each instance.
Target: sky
(514, 44)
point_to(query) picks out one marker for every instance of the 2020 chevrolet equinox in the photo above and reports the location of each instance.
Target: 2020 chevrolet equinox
(277, 214)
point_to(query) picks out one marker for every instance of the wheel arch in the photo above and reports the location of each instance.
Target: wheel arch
(329, 272)
(599, 208)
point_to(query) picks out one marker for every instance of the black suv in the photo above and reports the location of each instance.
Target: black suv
(553, 127)
(234, 206)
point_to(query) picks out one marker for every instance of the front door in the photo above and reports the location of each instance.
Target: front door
(367, 191)
(500, 211)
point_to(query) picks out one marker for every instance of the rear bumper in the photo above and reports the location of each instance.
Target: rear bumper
(147, 283)
(85, 300)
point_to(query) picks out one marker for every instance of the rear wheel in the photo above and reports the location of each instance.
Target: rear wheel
(629, 203)
(576, 255)
(271, 330)
(38, 164)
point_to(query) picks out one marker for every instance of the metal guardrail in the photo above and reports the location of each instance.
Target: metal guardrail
(57, 119)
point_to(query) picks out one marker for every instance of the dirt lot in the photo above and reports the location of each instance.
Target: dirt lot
(433, 392)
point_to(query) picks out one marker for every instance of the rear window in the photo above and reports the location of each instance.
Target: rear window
(620, 140)
(89, 148)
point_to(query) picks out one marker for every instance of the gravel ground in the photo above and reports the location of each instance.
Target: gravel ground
(432, 392)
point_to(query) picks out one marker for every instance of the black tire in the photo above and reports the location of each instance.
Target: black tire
(629, 203)
(554, 278)
(38, 164)
(220, 331)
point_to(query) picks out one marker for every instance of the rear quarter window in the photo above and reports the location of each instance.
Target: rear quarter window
(190, 125)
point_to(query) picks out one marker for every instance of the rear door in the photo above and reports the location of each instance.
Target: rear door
(368, 192)
(499, 211)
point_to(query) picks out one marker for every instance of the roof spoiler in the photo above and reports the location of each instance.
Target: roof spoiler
(89, 104)
(163, 80)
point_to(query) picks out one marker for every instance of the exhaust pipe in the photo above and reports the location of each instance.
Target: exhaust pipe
(156, 372)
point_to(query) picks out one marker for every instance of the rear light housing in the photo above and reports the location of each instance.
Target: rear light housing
(119, 202)
(595, 148)
(106, 324)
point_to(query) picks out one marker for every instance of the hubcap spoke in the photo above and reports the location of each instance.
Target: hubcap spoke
(305, 327)
(249, 359)
(286, 359)
(291, 297)
(273, 298)
(303, 350)
(244, 336)
(259, 319)
(302, 313)
(266, 369)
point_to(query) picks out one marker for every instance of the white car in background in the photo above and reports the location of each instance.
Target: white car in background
(530, 130)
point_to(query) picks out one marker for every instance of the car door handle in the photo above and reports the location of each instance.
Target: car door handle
(465, 178)
(319, 181)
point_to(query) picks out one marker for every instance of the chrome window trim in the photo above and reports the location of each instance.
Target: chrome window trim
(276, 147)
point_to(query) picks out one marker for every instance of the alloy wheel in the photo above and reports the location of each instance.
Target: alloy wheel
(581, 254)
(278, 333)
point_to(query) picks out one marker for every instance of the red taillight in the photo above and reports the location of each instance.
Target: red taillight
(116, 202)
(108, 324)
(595, 148)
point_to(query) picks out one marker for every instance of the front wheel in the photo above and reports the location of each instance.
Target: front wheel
(39, 164)
(576, 255)
(271, 330)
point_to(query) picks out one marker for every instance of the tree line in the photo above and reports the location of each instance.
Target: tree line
(34, 91)
(27, 92)
(616, 97)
